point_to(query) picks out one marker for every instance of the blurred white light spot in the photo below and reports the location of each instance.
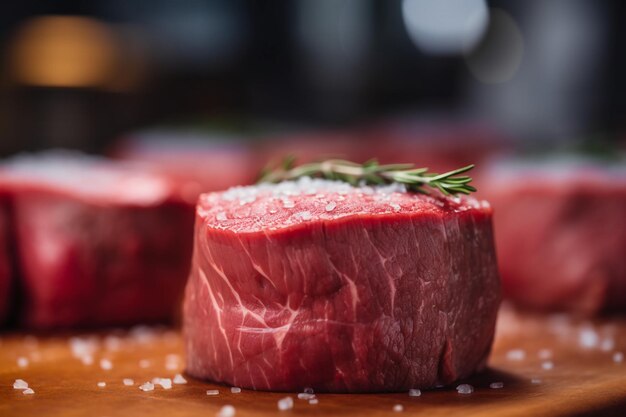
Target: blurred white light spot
(499, 55)
(445, 26)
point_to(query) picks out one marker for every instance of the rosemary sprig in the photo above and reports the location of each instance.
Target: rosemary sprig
(371, 172)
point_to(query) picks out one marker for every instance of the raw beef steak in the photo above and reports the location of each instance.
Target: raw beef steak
(97, 243)
(561, 234)
(320, 284)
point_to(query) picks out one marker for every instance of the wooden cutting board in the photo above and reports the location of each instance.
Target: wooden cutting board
(549, 365)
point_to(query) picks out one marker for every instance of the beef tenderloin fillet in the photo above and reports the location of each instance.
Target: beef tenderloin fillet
(343, 289)
(560, 232)
(97, 243)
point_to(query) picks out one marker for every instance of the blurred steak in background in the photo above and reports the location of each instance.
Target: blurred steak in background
(98, 243)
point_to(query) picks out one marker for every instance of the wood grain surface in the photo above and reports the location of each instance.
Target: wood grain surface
(586, 377)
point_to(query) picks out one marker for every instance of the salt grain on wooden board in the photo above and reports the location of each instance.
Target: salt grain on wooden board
(128, 382)
(20, 384)
(22, 362)
(618, 357)
(148, 386)
(102, 384)
(285, 404)
(305, 396)
(28, 391)
(179, 379)
(212, 392)
(588, 338)
(106, 364)
(165, 383)
(235, 390)
(313, 401)
(547, 365)
(398, 408)
(414, 392)
(496, 385)
(465, 389)
(226, 411)
(516, 355)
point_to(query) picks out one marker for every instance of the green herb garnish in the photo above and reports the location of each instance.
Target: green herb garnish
(371, 172)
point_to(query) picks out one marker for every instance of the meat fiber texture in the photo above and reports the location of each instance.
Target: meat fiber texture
(319, 284)
(199, 162)
(560, 230)
(97, 243)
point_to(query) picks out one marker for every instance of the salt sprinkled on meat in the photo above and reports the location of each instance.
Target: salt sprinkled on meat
(395, 207)
(288, 204)
(547, 365)
(413, 392)
(235, 390)
(179, 379)
(305, 396)
(516, 355)
(544, 354)
(285, 404)
(304, 215)
(102, 384)
(22, 362)
(128, 382)
(28, 391)
(618, 357)
(331, 206)
(212, 392)
(465, 389)
(221, 216)
(226, 411)
(20, 384)
(148, 386)
(496, 385)
(165, 383)
(106, 364)
(314, 401)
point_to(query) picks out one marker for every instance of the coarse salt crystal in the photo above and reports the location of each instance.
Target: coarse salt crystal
(221, 216)
(305, 215)
(547, 365)
(179, 379)
(148, 386)
(28, 391)
(165, 383)
(414, 392)
(618, 357)
(288, 204)
(496, 385)
(22, 362)
(331, 206)
(226, 411)
(212, 392)
(128, 382)
(87, 360)
(235, 390)
(607, 344)
(305, 396)
(516, 355)
(285, 404)
(465, 389)
(398, 408)
(106, 364)
(102, 384)
(314, 401)
(395, 207)
(588, 338)
(20, 384)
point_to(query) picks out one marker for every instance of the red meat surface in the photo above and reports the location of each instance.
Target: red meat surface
(561, 235)
(97, 243)
(343, 289)
(6, 273)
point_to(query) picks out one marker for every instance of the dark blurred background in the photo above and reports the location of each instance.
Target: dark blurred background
(80, 74)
